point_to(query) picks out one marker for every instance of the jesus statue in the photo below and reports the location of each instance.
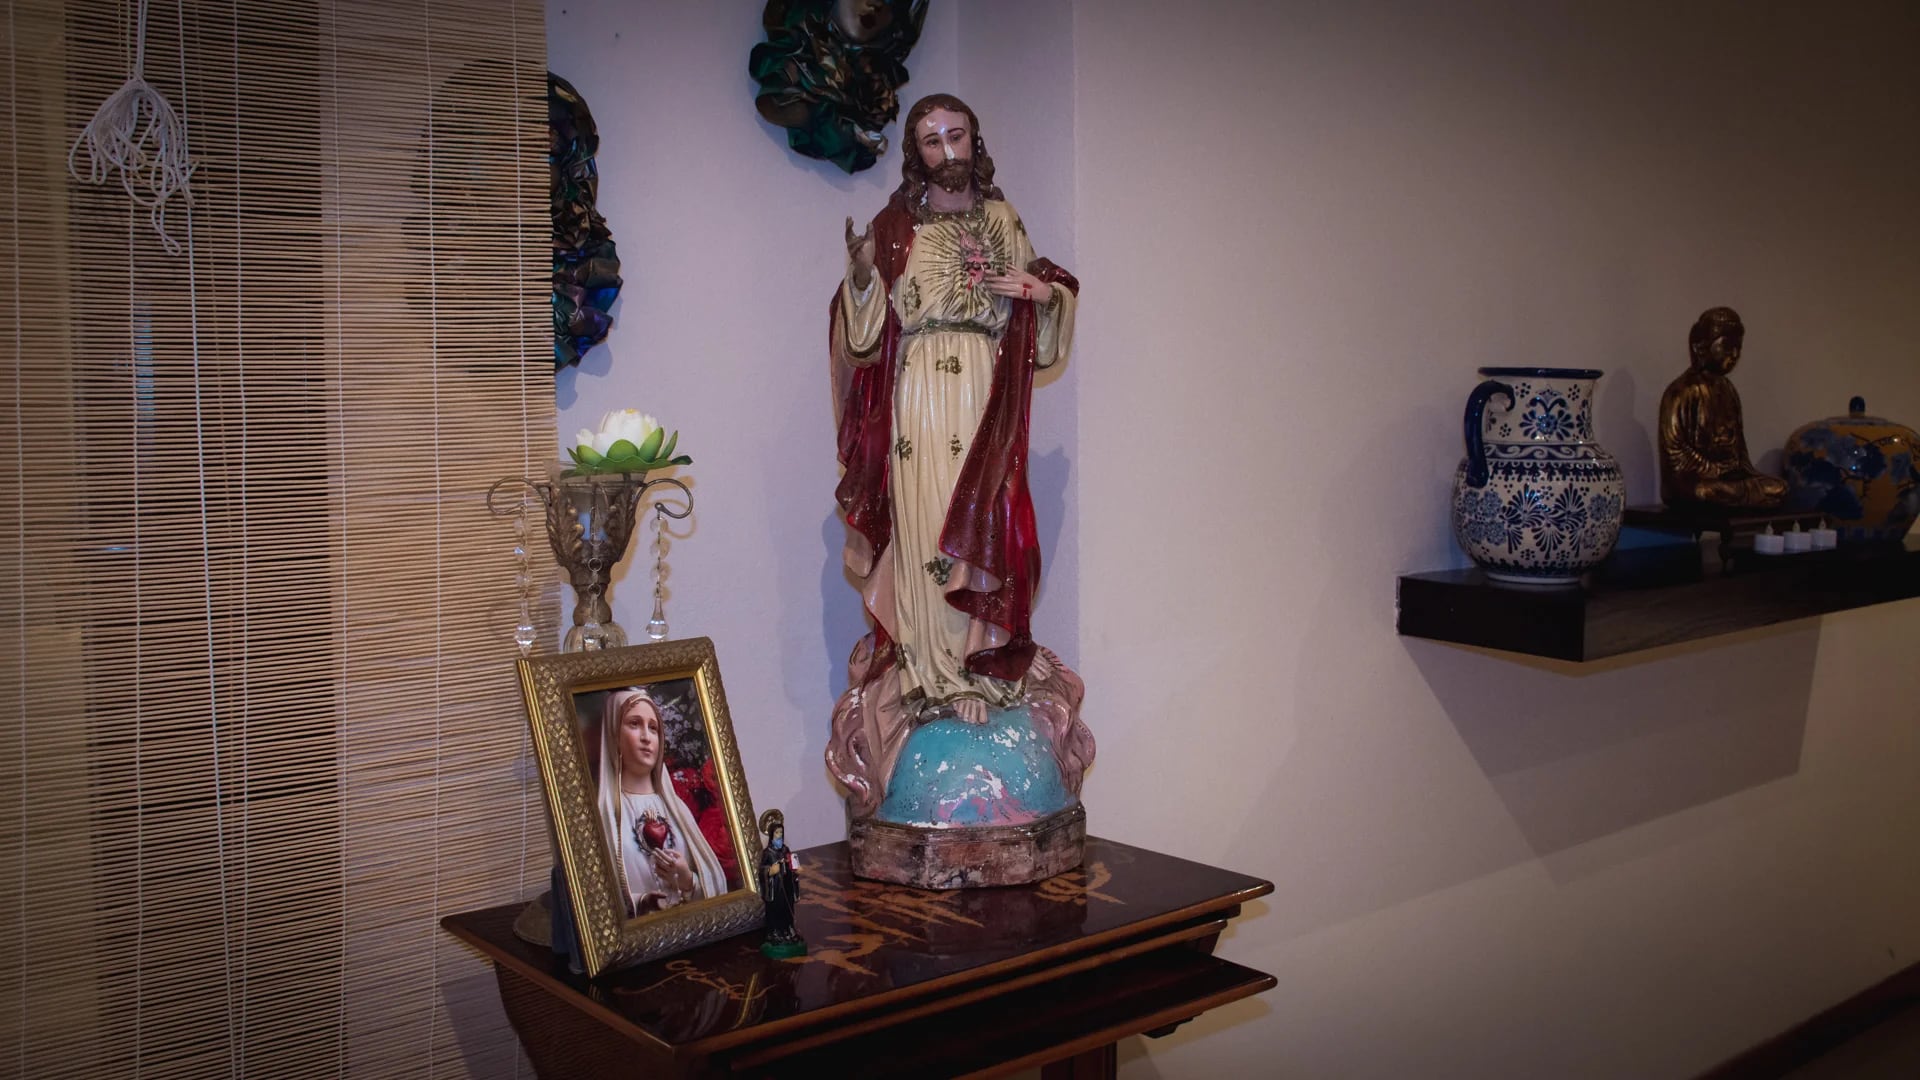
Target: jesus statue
(936, 331)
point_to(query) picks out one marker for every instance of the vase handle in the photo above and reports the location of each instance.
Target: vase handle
(1476, 412)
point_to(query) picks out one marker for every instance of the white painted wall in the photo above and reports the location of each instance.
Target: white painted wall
(1299, 228)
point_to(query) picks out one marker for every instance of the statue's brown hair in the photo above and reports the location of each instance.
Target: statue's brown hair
(913, 172)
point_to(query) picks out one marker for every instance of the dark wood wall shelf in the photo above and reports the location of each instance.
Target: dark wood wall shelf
(1581, 624)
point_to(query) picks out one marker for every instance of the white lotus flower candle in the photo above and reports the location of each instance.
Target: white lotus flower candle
(629, 424)
(628, 441)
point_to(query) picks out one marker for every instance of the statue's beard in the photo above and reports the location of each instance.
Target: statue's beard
(953, 176)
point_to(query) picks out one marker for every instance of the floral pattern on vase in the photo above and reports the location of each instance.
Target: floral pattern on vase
(1536, 501)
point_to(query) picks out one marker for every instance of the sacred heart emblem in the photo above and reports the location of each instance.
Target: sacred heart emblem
(975, 259)
(654, 831)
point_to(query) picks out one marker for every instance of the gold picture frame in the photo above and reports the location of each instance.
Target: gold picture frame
(616, 925)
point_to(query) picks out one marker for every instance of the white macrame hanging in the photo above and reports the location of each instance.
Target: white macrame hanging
(136, 133)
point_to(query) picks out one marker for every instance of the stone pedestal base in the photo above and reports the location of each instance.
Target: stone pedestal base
(967, 858)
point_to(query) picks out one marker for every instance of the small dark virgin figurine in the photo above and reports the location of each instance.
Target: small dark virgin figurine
(1703, 442)
(779, 888)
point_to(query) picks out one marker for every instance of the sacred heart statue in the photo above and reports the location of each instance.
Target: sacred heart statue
(959, 739)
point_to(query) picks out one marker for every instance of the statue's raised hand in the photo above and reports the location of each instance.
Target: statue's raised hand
(860, 254)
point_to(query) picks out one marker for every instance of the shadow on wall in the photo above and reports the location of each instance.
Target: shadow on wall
(1577, 754)
(476, 1018)
(1377, 793)
(1619, 428)
(1047, 476)
(843, 619)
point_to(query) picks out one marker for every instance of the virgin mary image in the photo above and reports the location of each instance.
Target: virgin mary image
(658, 851)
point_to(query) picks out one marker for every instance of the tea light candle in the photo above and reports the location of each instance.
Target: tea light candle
(1797, 541)
(1769, 543)
(1824, 537)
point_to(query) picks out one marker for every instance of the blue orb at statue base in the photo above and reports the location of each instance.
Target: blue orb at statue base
(952, 774)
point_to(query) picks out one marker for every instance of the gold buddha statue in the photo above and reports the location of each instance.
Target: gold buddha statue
(1703, 442)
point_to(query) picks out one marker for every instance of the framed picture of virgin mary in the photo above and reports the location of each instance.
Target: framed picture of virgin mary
(648, 799)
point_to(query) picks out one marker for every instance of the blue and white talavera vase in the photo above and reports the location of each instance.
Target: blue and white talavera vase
(1536, 501)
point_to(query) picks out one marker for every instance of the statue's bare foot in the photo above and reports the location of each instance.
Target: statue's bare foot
(971, 710)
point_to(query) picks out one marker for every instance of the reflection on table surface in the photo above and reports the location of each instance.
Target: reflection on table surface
(869, 940)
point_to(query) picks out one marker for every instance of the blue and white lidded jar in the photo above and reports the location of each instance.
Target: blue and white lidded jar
(1536, 501)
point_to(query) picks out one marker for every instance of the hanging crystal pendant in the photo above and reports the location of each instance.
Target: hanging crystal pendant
(657, 626)
(524, 633)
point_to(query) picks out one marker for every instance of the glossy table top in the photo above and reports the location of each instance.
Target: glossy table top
(878, 946)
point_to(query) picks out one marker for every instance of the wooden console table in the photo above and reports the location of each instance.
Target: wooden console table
(899, 981)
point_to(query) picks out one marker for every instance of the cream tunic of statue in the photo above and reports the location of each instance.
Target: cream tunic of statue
(950, 326)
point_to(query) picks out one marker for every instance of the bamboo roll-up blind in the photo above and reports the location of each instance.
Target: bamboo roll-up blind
(257, 642)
